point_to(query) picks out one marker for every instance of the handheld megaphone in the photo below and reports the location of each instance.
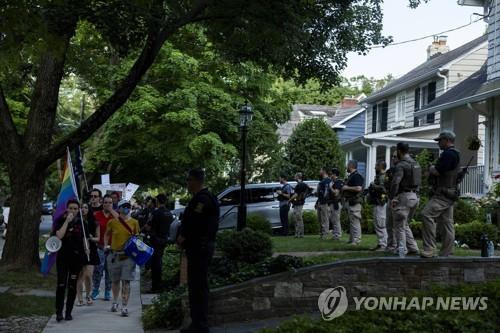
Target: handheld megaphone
(53, 244)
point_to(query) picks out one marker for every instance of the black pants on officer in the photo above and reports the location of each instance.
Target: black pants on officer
(284, 209)
(156, 263)
(198, 260)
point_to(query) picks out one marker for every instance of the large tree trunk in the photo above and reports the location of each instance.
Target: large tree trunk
(21, 246)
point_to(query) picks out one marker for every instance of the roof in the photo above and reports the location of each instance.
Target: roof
(315, 110)
(344, 115)
(427, 69)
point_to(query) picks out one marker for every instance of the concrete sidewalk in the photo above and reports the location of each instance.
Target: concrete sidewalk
(98, 318)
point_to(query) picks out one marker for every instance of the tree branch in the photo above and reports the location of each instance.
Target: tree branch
(11, 141)
(149, 53)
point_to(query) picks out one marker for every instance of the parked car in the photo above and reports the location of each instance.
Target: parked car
(47, 208)
(261, 199)
(45, 225)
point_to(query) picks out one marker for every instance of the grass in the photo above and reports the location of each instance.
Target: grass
(12, 305)
(312, 243)
(21, 280)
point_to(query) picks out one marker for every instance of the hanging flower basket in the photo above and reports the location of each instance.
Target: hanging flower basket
(474, 143)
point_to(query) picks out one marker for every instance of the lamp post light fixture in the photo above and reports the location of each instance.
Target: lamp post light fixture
(246, 114)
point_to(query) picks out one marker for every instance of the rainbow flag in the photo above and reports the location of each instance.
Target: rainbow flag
(68, 188)
(68, 192)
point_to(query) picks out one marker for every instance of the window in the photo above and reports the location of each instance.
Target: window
(379, 116)
(264, 194)
(423, 96)
(400, 106)
(231, 198)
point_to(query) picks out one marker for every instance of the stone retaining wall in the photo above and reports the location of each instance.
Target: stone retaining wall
(297, 292)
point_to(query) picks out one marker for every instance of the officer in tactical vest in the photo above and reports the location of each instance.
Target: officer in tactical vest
(352, 192)
(334, 204)
(389, 224)
(322, 203)
(439, 209)
(406, 180)
(378, 198)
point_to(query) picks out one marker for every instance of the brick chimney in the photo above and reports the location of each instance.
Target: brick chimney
(348, 102)
(437, 47)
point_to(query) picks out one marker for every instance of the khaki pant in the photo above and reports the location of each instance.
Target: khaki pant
(379, 218)
(438, 210)
(335, 221)
(404, 210)
(299, 222)
(354, 213)
(391, 232)
(323, 220)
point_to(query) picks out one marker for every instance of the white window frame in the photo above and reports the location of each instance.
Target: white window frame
(400, 107)
(496, 143)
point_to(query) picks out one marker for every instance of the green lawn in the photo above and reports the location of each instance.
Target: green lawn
(312, 243)
(27, 279)
(12, 305)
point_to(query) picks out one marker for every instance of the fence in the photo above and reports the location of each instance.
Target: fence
(473, 183)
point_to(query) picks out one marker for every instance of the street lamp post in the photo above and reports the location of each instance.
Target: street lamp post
(245, 119)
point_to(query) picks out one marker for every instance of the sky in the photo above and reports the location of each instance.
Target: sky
(403, 23)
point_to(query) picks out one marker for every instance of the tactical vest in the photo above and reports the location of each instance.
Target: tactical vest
(448, 180)
(412, 178)
(352, 197)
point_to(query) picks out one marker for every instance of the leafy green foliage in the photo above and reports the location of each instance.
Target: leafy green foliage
(311, 146)
(425, 158)
(416, 228)
(166, 310)
(465, 211)
(311, 224)
(470, 233)
(246, 246)
(258, 222)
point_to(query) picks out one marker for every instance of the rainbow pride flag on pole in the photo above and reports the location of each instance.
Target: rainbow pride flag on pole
(68, 192)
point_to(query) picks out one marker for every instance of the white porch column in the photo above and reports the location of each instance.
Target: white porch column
(371, 156)
(388, 156)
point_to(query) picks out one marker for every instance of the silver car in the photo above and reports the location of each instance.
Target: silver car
(261, 199)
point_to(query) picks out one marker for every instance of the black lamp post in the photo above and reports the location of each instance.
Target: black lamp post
(245, 119)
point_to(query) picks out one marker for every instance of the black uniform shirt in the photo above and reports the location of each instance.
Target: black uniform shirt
(160, 226)
(301, 189)
(200, 220)
(448, 160)
(355, 180)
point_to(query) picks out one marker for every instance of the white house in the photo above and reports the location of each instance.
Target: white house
(477, 100)
(393, 112)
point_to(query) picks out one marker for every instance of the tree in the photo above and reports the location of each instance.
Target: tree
(301, 39)
(312, 146)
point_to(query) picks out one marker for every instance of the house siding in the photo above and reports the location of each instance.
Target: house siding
(493, 42)
(467, 66)
(355, 127)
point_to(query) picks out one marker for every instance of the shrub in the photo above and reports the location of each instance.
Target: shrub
(258, 222)
(166, 310)
(466, 211)
(283, 263)
(170, 269)
(470, 233)
(367, 226)
(246, 246)
(416, 228)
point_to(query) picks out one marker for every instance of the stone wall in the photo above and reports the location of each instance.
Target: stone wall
(297, 292)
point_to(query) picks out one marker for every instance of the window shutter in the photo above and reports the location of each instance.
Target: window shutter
(430, 118)
(417, 99)
(431, 91)
(383, 115)
(374, 118)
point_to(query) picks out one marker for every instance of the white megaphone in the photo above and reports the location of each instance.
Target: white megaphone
(53, 244)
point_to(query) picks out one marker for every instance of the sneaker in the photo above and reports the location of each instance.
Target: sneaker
(114, 307)
(124, 312)
(413, 252)
(107, 296)
(427, 254)
(94, 294)
(378, 248)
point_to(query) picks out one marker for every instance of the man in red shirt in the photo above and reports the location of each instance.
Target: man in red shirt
(102, 217)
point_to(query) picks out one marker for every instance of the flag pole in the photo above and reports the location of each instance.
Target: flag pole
(73, 183)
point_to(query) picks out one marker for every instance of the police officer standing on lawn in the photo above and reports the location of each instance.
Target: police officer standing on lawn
(197, 236)
(378, 198)
(352, 192)
(439, 208)
(406, 180)
(334, 203)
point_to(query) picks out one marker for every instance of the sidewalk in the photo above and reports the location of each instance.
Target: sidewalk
(98, 318)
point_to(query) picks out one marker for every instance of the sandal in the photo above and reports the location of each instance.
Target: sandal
(89, 300)
(79, 303)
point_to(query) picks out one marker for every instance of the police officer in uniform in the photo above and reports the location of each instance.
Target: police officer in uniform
(197, 236)
(444, 193)
(334, 204)
(406, 180)
(378, 197)
(353, 196)
(322, 203)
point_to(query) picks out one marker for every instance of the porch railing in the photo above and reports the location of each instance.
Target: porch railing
(473, 183)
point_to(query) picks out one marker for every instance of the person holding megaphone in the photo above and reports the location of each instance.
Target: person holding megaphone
(70, 257)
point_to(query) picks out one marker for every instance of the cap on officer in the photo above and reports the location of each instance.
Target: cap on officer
(449, 135)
